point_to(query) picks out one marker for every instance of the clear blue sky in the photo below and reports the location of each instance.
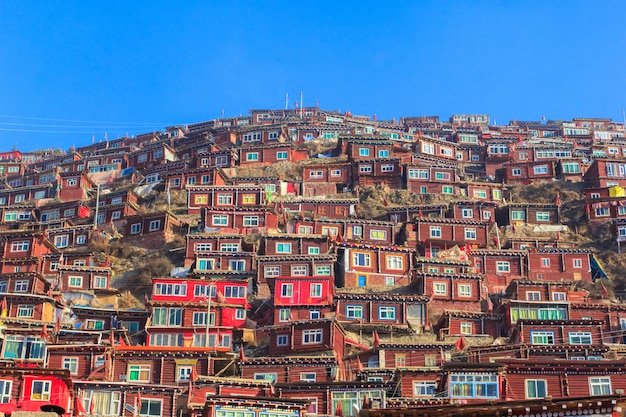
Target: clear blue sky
(70, 70)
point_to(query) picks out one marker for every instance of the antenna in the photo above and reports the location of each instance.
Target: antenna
(301, 104)
(286, 101)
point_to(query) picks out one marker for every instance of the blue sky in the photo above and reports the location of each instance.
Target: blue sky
(70, 70)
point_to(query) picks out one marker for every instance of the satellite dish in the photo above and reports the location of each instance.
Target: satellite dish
(51, 408)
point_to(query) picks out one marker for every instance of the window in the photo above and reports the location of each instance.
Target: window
(284, 314)
(183, 373)
(219, 220)
(271, 271)
(580, 338)
(21, 246)
(283, 247)
(533, 295)
(424, 389)
(201, 199)
(354, 312)
(21, 286)
(386, 168)
(600, 386)
(135, 228)
(205, 264)
(23, 347)
(10, 216)
(577, 263)
(442, 176)
(428, 148)
(240, 314)
(71, 364)
(418, 174)
(316, 174)
(252, 156)
(75, 282)
(394, 262)
(308, 376)
(236, 265)
(518, 215)
(400, 360)
(313, 250)
(224, 199)
(26, 311)
(305, 230)
(602, 212)
(378, 234)
(558, 296)
(265, 377)
(536, 388)
(481, 385)
(470, 233)
(466, 327)
(516, 172)
(281, 155)
(322, 270)
(248, 199)
(229, 247)
(316, 290)
(542, 216)
(361, 259)
(5, 391)
(335, 173)
(364, 152)
(365, 168)
(465, 290)
(163, 288)
(386, 313)
(282, 340)
(286, 290)
(300, 270)
(540, 169)
(249, 221)
(467, 213)
(440, 288)
(503, 266)
(312, 336)
(139, 373)
(435, 232)
(234, 292)
(545, 262)
(447, 189)
(151, 407)
(19, 198)
(541, 338)
(41, 391)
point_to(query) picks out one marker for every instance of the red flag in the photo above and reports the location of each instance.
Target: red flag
(112, 338)
(460, 344)
(84, 211)
(367, 404)
(122, 342)
(339, 410)
(194, 375)
(442, 355)
(242, 355)
(44, 331)
(79, 409)
(220, 297)
(359, 366)
(4, 309)
(376, 340)
(92, 406)
(557, 199)
(385, 202)
(339, 238)
(57, 324)
(604, 291)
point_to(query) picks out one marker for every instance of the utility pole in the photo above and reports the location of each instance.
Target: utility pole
(301, 104)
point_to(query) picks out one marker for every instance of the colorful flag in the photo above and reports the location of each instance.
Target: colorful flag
(44, 331)
(603, 290)
(376, 340)
(4, 309)
(242, 355)
(84, 211)
(460, 344)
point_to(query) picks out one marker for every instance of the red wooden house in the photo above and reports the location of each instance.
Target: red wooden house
(533, 213)
(290, 369)
(74, 237)
(200, 244)
(473, 210)
(272, 266)
(180, 312)
(306, 336)
(228, 197)
(467, 323)
(21, 250)
(21, 195)
(369, 172)
(152, 230)
(434, 235)
(301, 297)
(450, 291)
(83, 278)
(74, 185)
(263, 155)
(295, 244)
(19, 215)
(407, 213)
(336, 208)
(571, 169)
(472, 382)
(354, 310)
(559, 264)
(326, 179)
(484, 191)
(358, 148)
(557, 332)
(354, 230)
(27, 390)
(499, 266)
(527, 172)
(430, 177)
(362, 265)
(605, 173)
(154, 154)
(243, 220)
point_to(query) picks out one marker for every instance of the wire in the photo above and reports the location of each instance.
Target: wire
(80, 121)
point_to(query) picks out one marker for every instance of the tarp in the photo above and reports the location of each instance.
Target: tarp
(617, 191)
(551, 228)
(597, 271)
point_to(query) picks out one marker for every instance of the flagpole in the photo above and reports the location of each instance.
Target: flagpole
(95, 220)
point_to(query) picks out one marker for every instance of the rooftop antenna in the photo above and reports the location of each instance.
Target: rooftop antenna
(301, 104)
(624, 117)
(286, 101)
